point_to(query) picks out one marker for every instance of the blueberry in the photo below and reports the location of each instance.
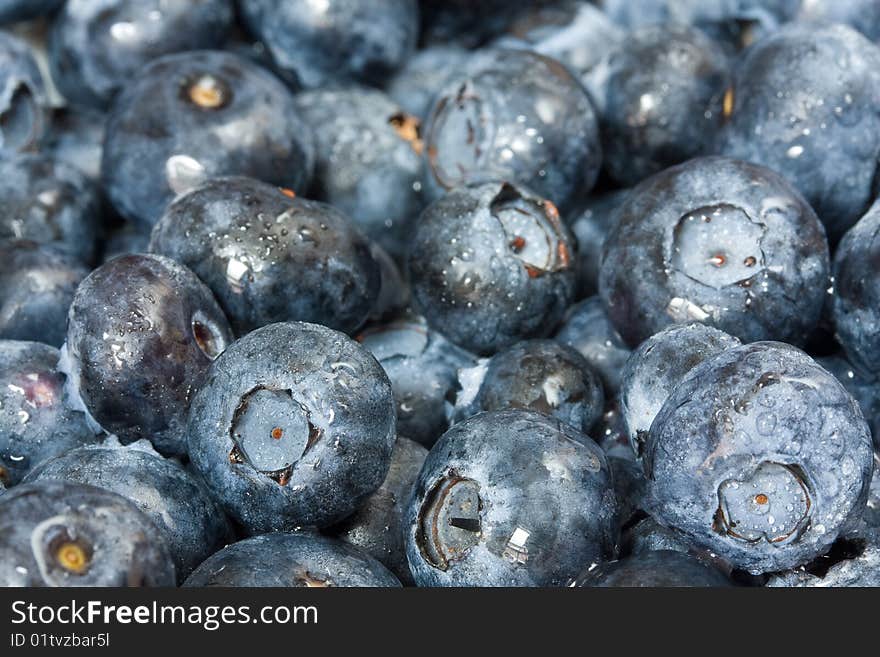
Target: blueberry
(722, 242)
(862, 385)
(23, 100)
(861, 568)
(142, 331)
(291, 560)
(872, 512)
(422, 366)
(510, 498)
(65, 534)
(377, 527)
(294, 427)
(124, 238)
(36, 422)
(863, 15)
(575, 33)
(856, 299)
(513, 115)
(75, 136)
(368, 160)
(466, 23)
(537, 375)
(95, 47)
(760, 456)
(654, 369)
(192, 116)
(191, 524)
(37, 284)
(51, 202)
(336, 40)
(590, 228)
(661, 100)
(269, 256)
(394, 292)
(587, 329)
(805, 103)
(413, 87)
(663, 568)
(491, 265)
(12, 11)
(629, 488)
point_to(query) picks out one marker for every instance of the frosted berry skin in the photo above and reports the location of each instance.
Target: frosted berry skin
(654, 369)
(377, 527)
(513, 115)
(271, 256)
(37, 284)
(491, 265)
(51, 202)
(718, 241)
(36, 421)
(856, 299)
(142, 331)
(510, 498)
(192, 524)
(368, 161)
(294, 427)
(196, 115)
(414, 85)
(341, 41)
(64, 534)
(24, 111)
(662, 100)
(805, 104)
(300, 559)
(422, 366)
(96, 46)
(537, 375)
(759, 456)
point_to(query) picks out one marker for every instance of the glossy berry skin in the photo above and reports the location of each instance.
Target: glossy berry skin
(50, 202)
(491, 265)
(12, 11)
(423, 367)
(368, 161)
(192, 116)
(294, 427)
(413, 87)
(141, 333)
(760, 456)
(190, 522)
(270, 257)
(517, 116)
(37, 284)
(856, 299)
(65, 534)
(511, 498)
(537, 375)
(377, 527)
(718, 241)
(663, 568)
(654, 369)
(587, 329)
(339, 40)
(36, 422)
(23, 102)
(300, 559)
(806, 104)
(95, 47)
(661, 101)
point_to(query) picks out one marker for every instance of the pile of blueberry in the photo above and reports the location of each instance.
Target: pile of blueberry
(439, 293)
